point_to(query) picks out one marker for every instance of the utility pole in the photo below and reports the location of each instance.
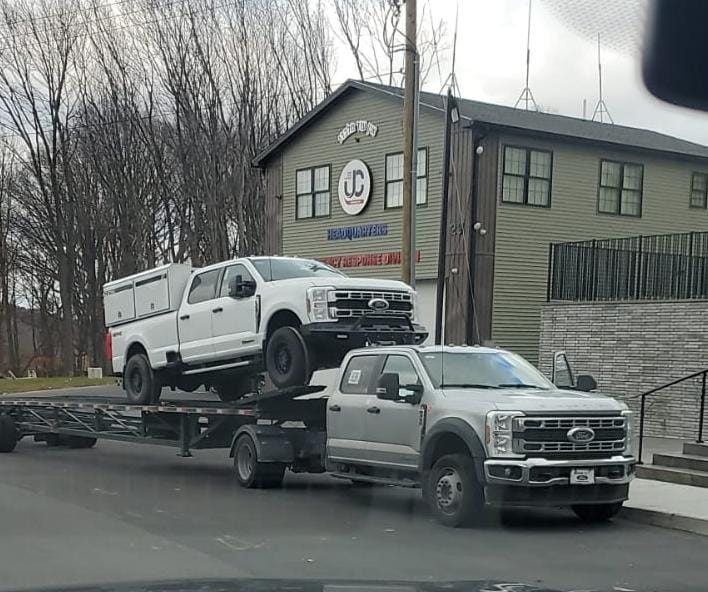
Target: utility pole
(410, 151)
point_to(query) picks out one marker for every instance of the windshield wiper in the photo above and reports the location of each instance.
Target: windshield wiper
(467, 385)
(522, 385)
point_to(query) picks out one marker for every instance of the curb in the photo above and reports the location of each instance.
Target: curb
(666, 520)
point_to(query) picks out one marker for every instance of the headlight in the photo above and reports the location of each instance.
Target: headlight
(318, 304)
(629, 439)
(499, 433)
(414, 306)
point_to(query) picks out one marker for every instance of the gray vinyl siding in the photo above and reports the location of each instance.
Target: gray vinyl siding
(523, 233)
(316, 145)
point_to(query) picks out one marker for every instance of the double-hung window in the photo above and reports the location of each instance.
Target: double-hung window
(312, 194)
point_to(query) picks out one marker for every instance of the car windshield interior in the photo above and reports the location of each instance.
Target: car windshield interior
(275, 268)
(481, 370)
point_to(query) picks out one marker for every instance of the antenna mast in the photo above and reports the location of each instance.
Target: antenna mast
(526, 96)
(600, 109)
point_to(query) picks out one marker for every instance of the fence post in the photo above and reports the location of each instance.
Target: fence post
(638, 268)
(641, 430)
(593, 272)
(703, 408)
(689, 260)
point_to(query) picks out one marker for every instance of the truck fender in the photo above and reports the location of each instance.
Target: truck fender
(272, 443)
(465, 432)
(130, 342)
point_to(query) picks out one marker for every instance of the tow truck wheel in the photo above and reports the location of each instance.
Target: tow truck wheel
(287, 359)
(142, 385)
(251, 473)
(597, 512)
(8, 434)
(452, 491)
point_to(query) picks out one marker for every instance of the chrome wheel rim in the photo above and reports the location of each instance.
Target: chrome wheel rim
(448, 491)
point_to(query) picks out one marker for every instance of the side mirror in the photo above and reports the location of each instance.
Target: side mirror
(240, 288)
(585, 383)
(387, 387)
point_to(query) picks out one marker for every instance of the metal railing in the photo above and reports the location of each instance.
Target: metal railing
(658, 267)
(701, 413)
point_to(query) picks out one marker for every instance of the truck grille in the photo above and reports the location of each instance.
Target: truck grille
(355, 303)
(548, 436)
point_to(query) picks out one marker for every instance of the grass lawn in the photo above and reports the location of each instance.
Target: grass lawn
(23, 385)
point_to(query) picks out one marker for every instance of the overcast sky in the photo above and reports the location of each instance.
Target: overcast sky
(491, 50)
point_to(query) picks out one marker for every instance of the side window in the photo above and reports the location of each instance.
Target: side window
(357, 377)
(231, 272)
(562, 372)
(203, 286)
(402, 366)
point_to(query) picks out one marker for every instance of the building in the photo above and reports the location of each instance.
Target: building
(519, 180)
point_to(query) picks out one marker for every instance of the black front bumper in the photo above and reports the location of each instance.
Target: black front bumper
(330, 341)
(557, 495)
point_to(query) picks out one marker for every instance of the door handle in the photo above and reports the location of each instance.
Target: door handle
(373, 410)
(335, 408)
(218, 309)
(184, 317)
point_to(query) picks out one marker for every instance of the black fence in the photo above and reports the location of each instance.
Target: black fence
(659, 267)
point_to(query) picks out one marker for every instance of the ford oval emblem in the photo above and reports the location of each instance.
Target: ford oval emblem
(378, 304)
(581, 435)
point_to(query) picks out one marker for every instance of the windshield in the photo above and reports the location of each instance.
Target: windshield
(482, 370)
(275, 268)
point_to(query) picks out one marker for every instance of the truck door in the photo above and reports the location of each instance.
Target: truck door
(393, 428)
(194, 317)
(346, 409)
(234, 317)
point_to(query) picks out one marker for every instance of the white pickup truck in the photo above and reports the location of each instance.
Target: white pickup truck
(222, 325)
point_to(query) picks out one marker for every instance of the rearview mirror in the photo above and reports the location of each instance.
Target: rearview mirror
(585, 383)
(387, 387)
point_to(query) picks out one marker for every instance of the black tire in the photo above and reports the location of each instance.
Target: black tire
(597, 512)
(287, 359)
(452, 491)
(233, 390)
(8, 434)
(142, 385)
(80, 442)
(252, 474)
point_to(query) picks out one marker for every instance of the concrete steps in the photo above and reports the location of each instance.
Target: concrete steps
(687, 468)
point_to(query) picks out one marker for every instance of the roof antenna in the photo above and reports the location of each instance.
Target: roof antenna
(526, 96)
(600, 109)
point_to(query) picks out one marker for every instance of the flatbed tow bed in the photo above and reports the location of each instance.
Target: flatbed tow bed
(78, 421)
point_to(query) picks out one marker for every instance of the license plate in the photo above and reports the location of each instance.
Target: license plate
(582, 476)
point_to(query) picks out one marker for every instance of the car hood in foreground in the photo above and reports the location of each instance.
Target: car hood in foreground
(247, 585)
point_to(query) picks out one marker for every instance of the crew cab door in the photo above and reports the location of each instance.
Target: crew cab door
(194, 317)
(347, 410)
(393, 428)
(233, 318)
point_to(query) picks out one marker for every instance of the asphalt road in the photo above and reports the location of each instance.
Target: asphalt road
(124, 512)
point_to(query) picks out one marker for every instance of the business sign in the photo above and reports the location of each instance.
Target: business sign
(361, 126)
(354, 187)
(353, 232)
(366, 259)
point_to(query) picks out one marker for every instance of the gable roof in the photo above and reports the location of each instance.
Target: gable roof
(511, 118)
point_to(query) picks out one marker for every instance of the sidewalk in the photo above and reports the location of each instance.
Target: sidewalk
(669, 505)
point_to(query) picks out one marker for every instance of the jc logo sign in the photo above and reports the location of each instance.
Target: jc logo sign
(354, 187)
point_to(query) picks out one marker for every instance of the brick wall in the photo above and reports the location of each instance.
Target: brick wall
(632, 347)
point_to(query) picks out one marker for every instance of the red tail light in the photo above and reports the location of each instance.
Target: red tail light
(109, 346)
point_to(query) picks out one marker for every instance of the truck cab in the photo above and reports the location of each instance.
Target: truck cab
(476, 426)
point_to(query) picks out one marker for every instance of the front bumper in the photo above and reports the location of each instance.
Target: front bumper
(542, 472)
(546, 483)
(352, 333)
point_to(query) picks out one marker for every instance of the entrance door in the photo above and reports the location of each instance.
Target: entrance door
(194, 318)
(393, 427)
(347, 411)
(234, 318)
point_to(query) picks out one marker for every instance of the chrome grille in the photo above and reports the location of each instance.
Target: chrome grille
(547, 435)
(355, 303)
